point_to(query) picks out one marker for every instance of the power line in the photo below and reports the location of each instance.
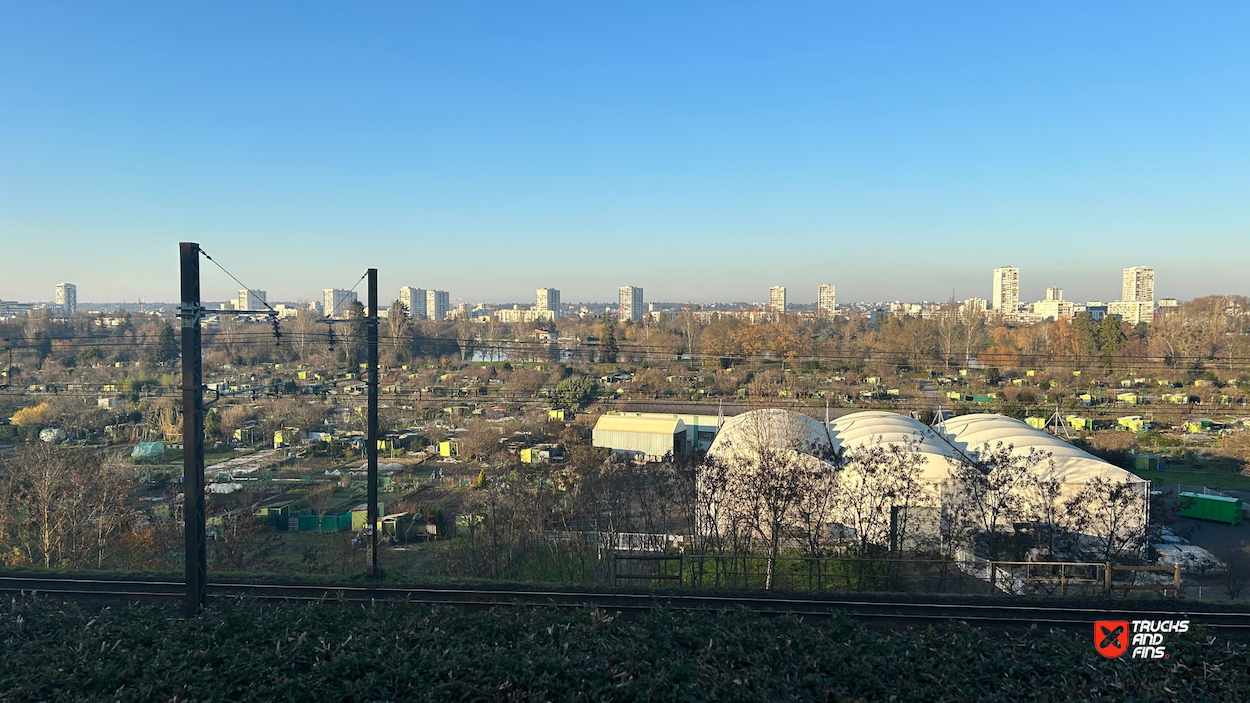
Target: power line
(236, 280)
(335, 309)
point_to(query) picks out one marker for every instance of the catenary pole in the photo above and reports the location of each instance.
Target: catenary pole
(372, 439)
(190, 313)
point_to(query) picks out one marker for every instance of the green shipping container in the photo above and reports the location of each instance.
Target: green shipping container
(1213, 508)
(331, 523)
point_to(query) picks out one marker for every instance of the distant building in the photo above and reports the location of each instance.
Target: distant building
(629, 299)
(437, 304)
(648, 438)
(827, 300)
(1006, 295)
(1132, 312)
(517, 314)
(336, 301)
(975, 305)
(250, 300)
(12, 308)
(1137, 297)
(1096, 310)
(548, 299)
(1054, 306)
(67, 297)
(777, 299)
(414, 299)
(1167, 306)
(1139, 285)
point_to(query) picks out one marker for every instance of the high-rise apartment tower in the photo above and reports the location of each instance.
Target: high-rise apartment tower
(629, 299)
(1139, 285)
(437, 304)
(827, 301)
(336, 301)
(1006, 297)
(777, 299)
(250, 300)
(548, 299)
(414, 300)
(67, 297)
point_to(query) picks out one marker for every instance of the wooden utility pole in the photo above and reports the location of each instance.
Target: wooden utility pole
(193, 431)
(371, 329)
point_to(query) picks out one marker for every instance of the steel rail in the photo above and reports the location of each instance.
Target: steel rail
(972, 613)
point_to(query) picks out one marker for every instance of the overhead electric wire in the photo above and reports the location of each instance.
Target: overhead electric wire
(330, 314)
(236, 280)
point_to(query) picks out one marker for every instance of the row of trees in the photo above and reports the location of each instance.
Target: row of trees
(62, 508)
(1213, 332)
(772, 488)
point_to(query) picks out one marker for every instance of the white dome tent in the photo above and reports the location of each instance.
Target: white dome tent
(934, 456)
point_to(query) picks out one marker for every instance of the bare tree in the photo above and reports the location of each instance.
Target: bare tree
(1114, 514)
(320, 499)
(63, 507)
(948, 329)
(303, 331)
(772, 452)
(879, 476)
(993, 487)
(974, 329)
(817, 494)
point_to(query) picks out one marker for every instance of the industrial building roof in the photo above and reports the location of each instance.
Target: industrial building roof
(970, 433)
(641, 425)
(957, 438)
(860, 429)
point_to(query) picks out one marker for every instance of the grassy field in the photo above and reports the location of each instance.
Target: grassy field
(1212, 474)
(242, 652)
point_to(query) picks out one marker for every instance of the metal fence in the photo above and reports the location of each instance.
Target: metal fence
(845, 574)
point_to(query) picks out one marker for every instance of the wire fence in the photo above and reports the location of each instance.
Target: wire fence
(839, 574)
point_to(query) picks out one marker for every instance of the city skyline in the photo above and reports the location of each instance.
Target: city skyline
(1137, 286)
(900, 156)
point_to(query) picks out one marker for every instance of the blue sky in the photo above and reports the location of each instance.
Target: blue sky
(704, 151)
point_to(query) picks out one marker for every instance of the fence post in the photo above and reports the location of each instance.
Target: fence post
(1176, 580)
(1106, 589)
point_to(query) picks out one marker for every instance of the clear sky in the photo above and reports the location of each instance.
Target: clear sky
(702, 150)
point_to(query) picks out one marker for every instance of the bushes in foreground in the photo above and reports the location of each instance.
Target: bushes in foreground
(331, 651)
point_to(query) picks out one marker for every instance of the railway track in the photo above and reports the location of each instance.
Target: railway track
(1229, 624)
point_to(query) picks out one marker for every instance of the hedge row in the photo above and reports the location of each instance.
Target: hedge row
(241, 651)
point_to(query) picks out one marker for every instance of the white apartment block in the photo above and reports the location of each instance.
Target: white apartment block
(548, 299)
(517, 315)
(1054, 309)
(336, 301)
(827, 300)
(1139, 285)
(1006, 296)
(437, 304)
(250, 300)
(629, 303)
(67, 297)
(1132, 312)
(413, 299)
(777, 299)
